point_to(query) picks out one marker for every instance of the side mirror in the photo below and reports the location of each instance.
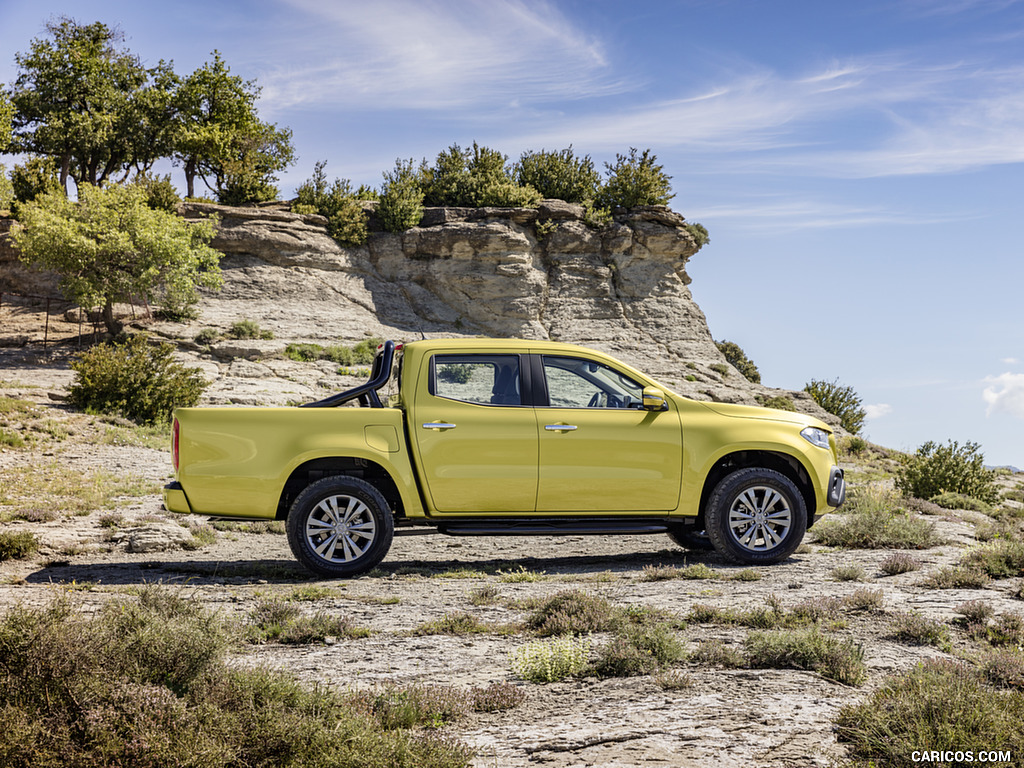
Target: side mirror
(654, 399)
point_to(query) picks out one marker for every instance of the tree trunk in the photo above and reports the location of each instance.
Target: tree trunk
(190, 177)
(114, 326)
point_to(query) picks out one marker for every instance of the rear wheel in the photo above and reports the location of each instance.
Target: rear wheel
(340, 526)
(756, 516)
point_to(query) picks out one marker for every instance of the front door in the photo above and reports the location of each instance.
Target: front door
(477, 442)
(599, 450)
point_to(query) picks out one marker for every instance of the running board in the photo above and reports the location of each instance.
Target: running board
(550, 527)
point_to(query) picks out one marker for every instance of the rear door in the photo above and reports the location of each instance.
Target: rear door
(599, 450)
(477, 441)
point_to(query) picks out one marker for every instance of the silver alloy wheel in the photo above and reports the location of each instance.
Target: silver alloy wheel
(340, 529)
(760, 518)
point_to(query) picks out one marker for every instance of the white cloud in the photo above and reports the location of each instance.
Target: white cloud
(1010, 361)
(437, 55)
(1005, 394)
(878, 410)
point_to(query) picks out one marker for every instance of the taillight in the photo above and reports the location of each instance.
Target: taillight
(174, 444)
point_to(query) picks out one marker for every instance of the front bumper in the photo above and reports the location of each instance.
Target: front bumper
(175, 499)
(836, 487)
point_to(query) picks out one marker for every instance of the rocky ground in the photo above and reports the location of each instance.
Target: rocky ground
(87, 487)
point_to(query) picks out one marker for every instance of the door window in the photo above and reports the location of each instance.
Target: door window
(481, 379)
(577, 383)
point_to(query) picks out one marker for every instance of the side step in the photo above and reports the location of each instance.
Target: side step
(553, 527)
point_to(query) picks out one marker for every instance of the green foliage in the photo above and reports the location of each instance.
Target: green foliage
(899, 562)
(248, 329)
(547, 661)
(146, 683)
(832, 657)
(111, 246)
(639, 649)
(559, 175)
(778, 402)
(936, 469)
(401, 199)
(346, 219)
(839, 400)
(940, 705)
(247, 171)
(160, 192)
(698, 232)
(1000, 559)
(135, 379)
(573, 612)
(737, 358)
(281, 621)
(6, 116)
(33, 178)
(914, 629)
(92, 106)
(951, 500)
(6, 190)
(634, 180)
(17, 545)
(474, 177)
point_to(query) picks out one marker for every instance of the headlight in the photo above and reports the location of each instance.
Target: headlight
(815, 436)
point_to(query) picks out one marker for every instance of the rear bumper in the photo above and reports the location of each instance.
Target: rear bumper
(175, 499)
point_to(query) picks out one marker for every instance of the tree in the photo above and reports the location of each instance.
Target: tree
(559, 175)
(111, 247)
(93, 107)
(737, 358)
(6, 116)
(635, 179)
(401, 199)
(839, 400)
(220, 138)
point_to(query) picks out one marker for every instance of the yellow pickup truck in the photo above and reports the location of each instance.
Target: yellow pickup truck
(507, 437)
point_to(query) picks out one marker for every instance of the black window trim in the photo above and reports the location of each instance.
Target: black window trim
(525, 378)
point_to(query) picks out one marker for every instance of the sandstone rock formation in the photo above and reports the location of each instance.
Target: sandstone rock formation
(506, 272)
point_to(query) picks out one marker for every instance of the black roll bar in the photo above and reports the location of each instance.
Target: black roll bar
(367, 393)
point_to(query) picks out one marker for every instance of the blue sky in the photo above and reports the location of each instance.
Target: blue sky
(859, 166)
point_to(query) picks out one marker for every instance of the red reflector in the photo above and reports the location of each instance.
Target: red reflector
(174, 444)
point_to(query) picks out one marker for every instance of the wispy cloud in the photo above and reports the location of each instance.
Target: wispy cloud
(437, 55)
(1005, 394)
(877, 410)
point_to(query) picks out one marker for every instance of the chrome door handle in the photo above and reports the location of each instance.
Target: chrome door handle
(438, 425)
(561, 427)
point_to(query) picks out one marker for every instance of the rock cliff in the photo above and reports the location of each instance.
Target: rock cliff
(508, 272)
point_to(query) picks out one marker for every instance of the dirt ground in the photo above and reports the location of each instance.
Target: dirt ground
(725, 717)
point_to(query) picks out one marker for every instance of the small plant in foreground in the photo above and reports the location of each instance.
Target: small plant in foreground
(573, 612)
(638, 650)
(848, 573)
(877, 530)
(457, 623)
(950, 577)
(715, 653)
(836, 658)
(899, 562)
(943, 704)
(546, 661)
(1000, 559)
(915, 629)
(497, 697)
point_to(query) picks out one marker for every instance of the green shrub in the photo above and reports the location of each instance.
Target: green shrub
(547, 661)
(949, 500)
(37, 176)
(832, 657)
(778, 402)
(915, 629)
(716, 653)
(840, 401)
(899, 562)
(634, 180)
(401, 199)
(207, 336)
(720, 368)
(161, 193)
(304, 353)
(135, 379)
(474, 178)
(1000, 558)
(6, 190)
(282, 621)
(346, 219)
(940, 705)
(698, 232)
(737, 358)
(455, 623)
(848, 573)
(877, 530)
(950, 577)
(248, 329)
(573, 612)
(17, 545)
(936, 469)
(497, 697)
(639, 649)
(559, 175)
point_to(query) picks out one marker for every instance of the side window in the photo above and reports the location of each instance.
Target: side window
(482, 379)
(576, 383)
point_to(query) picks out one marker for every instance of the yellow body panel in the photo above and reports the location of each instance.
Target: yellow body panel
(496, 459)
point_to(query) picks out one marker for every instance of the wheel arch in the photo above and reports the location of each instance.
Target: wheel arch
(783, 463)
(317, 469)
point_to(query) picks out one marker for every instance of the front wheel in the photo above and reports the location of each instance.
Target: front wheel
(756, 516)
(340, 526)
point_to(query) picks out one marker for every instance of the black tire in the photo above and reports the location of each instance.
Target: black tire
(690, 537)
(340, 526)
(756, 516)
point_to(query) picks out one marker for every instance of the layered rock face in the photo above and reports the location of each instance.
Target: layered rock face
(524, 273)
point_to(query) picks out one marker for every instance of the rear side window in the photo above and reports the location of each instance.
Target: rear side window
(482, 379)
